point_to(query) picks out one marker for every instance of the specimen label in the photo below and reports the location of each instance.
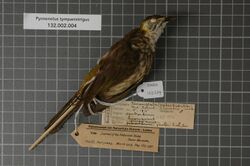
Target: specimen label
(118, 137)
(150, 114)
(47, 21)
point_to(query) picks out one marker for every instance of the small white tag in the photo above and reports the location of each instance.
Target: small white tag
(148, 90)
(61, 21)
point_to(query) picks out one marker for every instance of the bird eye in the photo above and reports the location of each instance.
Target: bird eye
(153, 20)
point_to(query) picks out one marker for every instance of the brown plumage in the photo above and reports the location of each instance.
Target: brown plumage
(118, 72)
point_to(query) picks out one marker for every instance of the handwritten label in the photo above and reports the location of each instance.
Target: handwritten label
(61, 21)
(117, 137)
(148, 90)
(150, 114)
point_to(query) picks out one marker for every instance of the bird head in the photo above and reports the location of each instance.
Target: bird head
(155, 24)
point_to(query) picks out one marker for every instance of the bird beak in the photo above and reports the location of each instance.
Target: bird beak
(170, 18)
(166, 19)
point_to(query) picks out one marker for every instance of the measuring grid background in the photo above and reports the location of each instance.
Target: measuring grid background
(203, 58)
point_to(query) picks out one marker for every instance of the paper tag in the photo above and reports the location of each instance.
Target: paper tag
(61, 21)
(148, 90)
(150, 114)
(117, 137)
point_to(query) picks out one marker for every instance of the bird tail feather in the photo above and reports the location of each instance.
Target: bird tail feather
(73, 104)
(60, 118)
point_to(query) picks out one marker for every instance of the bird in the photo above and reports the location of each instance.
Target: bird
(118, 72)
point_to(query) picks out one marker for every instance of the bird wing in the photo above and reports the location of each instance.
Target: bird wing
(116, 66)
